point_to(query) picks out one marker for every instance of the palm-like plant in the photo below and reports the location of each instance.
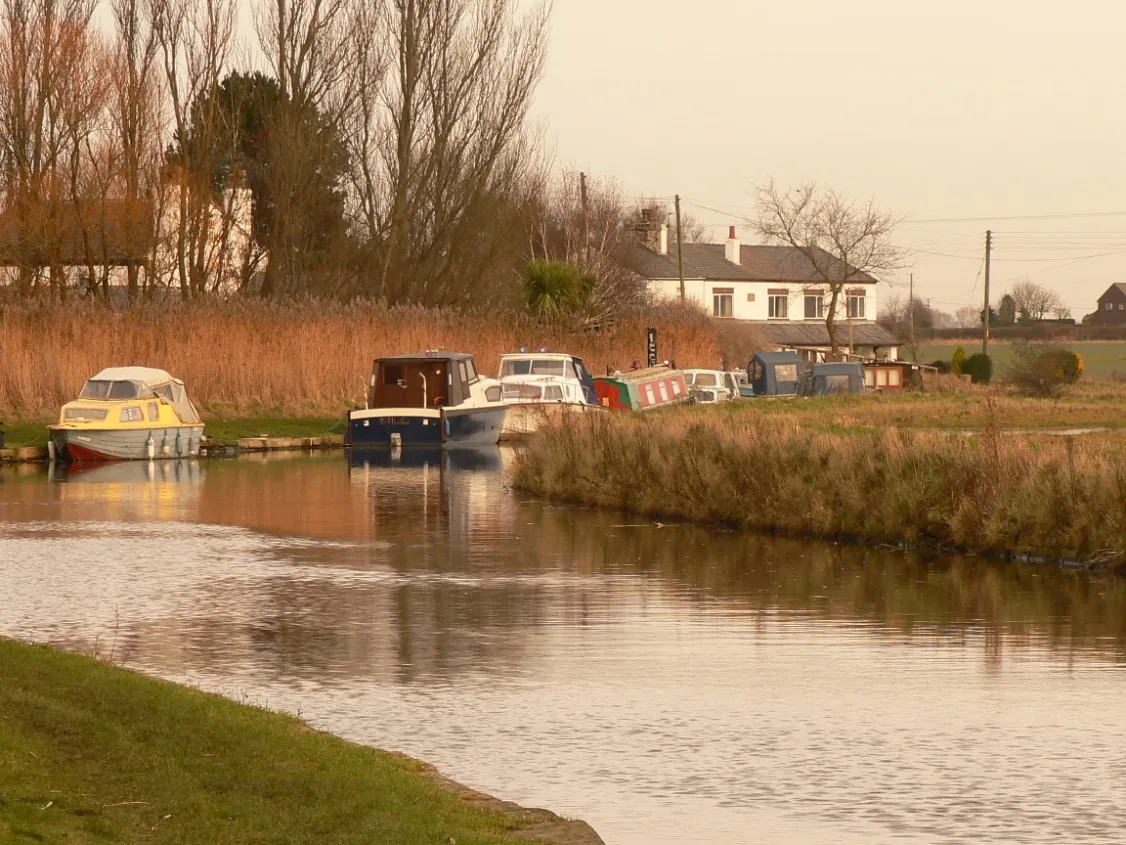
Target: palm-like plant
(554, 289)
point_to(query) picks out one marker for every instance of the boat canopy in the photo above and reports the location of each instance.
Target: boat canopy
(115, 383)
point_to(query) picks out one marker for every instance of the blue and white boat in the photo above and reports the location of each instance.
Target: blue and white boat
(433, 399)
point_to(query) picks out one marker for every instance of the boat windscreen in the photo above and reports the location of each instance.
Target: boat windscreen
(786, 372)
(533, 367)
(95, 390)
(705, 379)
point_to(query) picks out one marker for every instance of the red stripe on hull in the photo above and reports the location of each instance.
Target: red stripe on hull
(85, 453)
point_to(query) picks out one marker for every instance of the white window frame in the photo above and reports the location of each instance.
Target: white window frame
(819, 299)
(779, 302)
(718, 297)
(854, 312)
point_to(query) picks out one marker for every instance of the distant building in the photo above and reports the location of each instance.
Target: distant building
(775, 288)
(1112, 307)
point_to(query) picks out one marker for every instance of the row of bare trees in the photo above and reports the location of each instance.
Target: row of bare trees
(352, 147)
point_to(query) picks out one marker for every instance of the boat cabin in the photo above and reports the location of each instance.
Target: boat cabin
(639, 390)
(892, 376)
(775, 373)
(712, 385)
(546, 377)
(430, 380)
(833, 379)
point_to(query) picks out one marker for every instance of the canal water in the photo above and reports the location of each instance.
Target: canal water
(668, 684)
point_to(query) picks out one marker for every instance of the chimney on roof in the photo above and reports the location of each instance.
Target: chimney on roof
(731, 251)
(663, 240)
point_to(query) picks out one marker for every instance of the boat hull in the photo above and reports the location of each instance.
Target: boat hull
(379, 428)
(88, 444)
(526, 418)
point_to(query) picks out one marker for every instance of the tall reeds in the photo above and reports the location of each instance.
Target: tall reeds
(995, 493)
(300, 358)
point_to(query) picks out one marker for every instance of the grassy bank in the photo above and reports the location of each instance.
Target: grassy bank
(994, 493)
(34, 433)
(305, 360)
(91, 753)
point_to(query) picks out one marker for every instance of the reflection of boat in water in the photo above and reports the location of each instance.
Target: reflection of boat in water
(484, 458)
(132, 472)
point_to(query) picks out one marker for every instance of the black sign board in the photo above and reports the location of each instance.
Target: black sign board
(652, 347)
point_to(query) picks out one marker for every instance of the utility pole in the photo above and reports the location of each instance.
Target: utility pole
(911, 306)
(985, 313)
(679, 249)
(586, 222)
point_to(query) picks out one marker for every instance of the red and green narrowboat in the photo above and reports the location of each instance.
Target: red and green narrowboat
(640, 390)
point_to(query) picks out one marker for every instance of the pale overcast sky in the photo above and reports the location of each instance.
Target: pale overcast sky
(958, 109)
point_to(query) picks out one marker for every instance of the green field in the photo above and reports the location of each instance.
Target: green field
(1104, 359)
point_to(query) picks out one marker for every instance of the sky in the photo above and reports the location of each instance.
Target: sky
(945, 113)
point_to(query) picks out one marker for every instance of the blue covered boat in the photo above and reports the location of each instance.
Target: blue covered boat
(433, 399)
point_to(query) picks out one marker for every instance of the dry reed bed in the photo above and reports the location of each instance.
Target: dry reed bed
(302, 358)
(1000, 494)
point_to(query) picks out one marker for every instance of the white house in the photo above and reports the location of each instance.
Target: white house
(776, 288)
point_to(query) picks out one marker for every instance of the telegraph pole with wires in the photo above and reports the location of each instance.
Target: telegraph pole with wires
(586, 221)
(679, 249)
(985, 313)
(911, 306)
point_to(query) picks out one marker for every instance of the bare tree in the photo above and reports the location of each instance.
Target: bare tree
(441, 155)
(138, 122)
(1035, 302)
(39, 43)
(196, 39)
(843, 241)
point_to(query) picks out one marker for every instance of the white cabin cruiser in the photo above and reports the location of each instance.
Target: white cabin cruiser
(712, 385)
(541, 386)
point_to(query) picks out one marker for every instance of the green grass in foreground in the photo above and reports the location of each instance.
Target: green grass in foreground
(90, 753)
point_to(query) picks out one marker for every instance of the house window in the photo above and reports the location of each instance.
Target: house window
(723, 302)
(1122, 306)
(779, 306)
(814, 306)
(856, 306)
(1109, 306)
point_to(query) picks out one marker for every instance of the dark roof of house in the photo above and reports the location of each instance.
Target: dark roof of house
(757, 263)
(113, 232)
(817, 334)
(1121, 289)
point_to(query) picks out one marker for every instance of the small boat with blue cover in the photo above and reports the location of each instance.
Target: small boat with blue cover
(432, 399)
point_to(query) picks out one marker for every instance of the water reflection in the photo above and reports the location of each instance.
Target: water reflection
(668, 683)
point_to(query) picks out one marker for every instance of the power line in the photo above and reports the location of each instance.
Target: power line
(1016, 217)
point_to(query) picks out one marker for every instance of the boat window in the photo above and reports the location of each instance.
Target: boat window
(393, 373)
(95, 390)
(664, 391)
(165, 391)
(93, 414)
(548, 368)
(523, 391)
(464, 374)
(835, 384)
(518, 367)
(786, 372)
(471, 368)
(123, 390)
(705, 379)
(493, 393)
(649, 394)
(132, 414)
(675, 388)
(154, 411)
(553, 393)
(571, 371)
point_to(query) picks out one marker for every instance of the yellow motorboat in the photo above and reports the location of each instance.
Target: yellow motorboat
(128, 413)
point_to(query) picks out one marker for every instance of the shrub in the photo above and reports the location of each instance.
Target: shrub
(979, 367)
(1043, 371)
(958, 362)
(943, 367)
